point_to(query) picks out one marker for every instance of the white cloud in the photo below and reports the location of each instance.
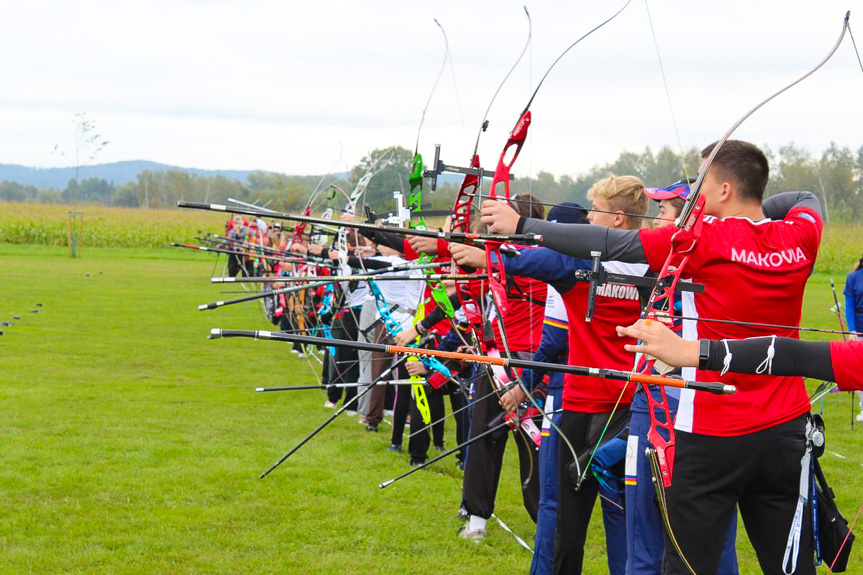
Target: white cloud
(277, 85)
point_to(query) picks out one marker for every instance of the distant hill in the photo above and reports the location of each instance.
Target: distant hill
(121, 172)
(118, 172)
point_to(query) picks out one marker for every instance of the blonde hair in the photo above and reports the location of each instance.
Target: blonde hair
(624, 193)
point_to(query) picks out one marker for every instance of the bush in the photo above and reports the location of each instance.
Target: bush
(49, 196)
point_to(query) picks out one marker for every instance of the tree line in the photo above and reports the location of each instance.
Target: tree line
(836, 176)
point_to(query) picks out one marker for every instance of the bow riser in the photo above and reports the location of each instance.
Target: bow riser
(461, 223)
(664, 447)
(496, 271)
(683, 242)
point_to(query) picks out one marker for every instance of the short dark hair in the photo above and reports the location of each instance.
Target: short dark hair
(743, 164)
(529, 206)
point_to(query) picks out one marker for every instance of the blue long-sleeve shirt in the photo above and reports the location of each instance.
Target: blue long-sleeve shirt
(854, 300)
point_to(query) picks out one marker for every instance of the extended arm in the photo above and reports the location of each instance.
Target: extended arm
(789, 357)
(580, 240)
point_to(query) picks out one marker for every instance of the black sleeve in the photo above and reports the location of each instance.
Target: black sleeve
(777, 207)
(364, 263)
(579, 240)
(388, 239)
(791, 357)
(437, 314)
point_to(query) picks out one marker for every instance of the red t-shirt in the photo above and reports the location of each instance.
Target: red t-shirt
(524, 316)
(755, 272)
(847, 360)
(597, 344)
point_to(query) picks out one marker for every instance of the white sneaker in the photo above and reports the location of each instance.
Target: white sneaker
(388, 412)
(475, 535)
(329, 405)
(860, 416)
(350, 413)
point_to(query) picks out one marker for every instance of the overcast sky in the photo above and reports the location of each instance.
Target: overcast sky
(286, 85)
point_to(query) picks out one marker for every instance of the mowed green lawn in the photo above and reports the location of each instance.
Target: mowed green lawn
(132, 444)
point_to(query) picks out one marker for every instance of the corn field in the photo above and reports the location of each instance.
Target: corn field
(47, 224)
(104, 227)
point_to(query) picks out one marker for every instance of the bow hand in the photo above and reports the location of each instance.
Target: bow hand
(512, 399)
(499, 217)
(468, 256)
(658, 341)
(406, 337)
(416, 368)
(423, 245)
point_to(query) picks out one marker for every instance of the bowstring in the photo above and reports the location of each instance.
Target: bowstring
(434, 86)
(854, 43)
(667, 92)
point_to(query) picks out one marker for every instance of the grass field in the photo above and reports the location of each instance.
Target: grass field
(132, 444)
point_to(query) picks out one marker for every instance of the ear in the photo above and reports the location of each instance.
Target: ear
(619, 220)
(727, 193)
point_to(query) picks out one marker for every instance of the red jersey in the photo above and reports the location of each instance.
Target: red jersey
(847, 360)
(524, 316)
(597, 343)
(752, 271)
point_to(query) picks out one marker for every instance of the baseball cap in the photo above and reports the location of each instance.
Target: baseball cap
(568, 213)
(679, 189)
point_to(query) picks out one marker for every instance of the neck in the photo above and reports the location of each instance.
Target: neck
(753, 211)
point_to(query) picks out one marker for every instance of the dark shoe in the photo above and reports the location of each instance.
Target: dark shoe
(394, 448)
(460, 464)
(417, 462)
(371, 427)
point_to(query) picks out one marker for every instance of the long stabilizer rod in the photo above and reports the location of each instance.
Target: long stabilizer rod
(710, 386)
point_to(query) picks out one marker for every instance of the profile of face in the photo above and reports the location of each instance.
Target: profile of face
(602, 217)
(666, 215)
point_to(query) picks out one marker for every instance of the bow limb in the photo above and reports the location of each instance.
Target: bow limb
(494, 261)
(468, 193)
(414, 203)
(496, 271)
(708, 162)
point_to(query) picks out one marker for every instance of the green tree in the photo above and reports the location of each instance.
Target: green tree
(95, 190)
(149, 188)
(837, 176)
(126, 196)
(12, 192)
(49, 196)
(392, 175)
